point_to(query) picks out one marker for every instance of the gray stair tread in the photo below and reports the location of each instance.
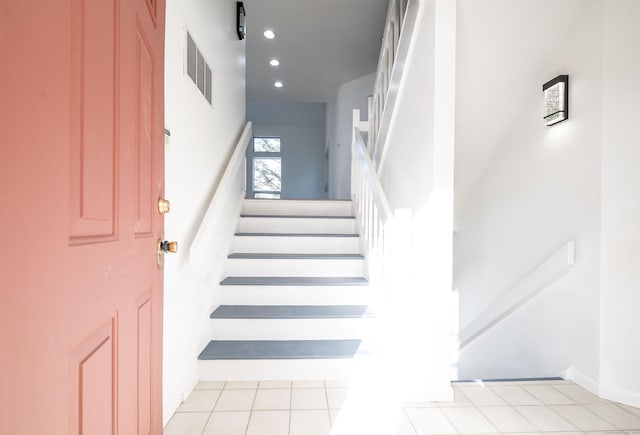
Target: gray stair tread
(294, 216)
(294, 280)
(296, 235)
(279, 349)
(298, 256)
(291, 312)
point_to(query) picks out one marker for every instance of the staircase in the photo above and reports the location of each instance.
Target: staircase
(294, 303)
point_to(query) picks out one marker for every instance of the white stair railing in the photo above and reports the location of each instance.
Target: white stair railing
(399, 28)
(378, 232)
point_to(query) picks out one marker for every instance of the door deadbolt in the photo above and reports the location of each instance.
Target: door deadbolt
(164, 206)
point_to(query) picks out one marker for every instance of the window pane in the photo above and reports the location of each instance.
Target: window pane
(266, 144)
(267, 174)
(267, 195)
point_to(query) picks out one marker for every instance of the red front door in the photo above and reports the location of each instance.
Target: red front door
(81, 149)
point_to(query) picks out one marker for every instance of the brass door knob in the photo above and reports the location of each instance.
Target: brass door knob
(164, 206)
(167, 246)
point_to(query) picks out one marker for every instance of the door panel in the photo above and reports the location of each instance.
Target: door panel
(93, 108)
(81, 143)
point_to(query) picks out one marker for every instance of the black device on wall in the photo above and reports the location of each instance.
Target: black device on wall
(240, 20)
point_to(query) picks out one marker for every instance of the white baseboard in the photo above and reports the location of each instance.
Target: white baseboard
(630, 398)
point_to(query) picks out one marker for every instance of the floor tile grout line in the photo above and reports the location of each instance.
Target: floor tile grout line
(565, 395)
(549, 407)
(450, 421)
(211, 412)
(290, 406)
(251, 409)
(404, 411)
(326, 396)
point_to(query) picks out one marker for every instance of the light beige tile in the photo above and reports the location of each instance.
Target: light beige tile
(404, 426)
(227, 423)
(308, 398)
(469, 420)
(582, 418)
(573, 433)
(423, 404)
(200, 401)
(274, 384)
(556, 382)
(600, 432)
(578, 394)
(336, 397)
(631, 409)
(459, 399)
(548, 395)
(334, 414)
(514, 395)
(310, 422)
(482, 396)
(272, 399)
(183, 423)
(241, 385)
(616, 415)
(338, 383)
(308, 384)
(235, 400)
(268, 423)
(210, 385)
(430, 420)
(545, 419)
(524, 433)
(507, 419)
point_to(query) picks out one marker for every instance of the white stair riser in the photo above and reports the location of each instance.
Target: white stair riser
(265, 370)
(294, 295)
(297, 267)
(293, 207)
(290, 329)
(296, 245)
(295, 225)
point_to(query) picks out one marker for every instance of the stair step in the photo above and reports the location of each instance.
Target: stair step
(294, 281)
(297, 207)
(294, 235)
(295, 295)
(279, 349)
(296, 243)
(290, 312)
(328, 267)
(297, 224)
(294, 216)
(262, 256)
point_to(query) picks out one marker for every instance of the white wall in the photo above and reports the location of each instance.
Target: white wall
(620, 238)
(301, 127)
(417, 175)
(202, 138)
(351, 95)
(541, 189)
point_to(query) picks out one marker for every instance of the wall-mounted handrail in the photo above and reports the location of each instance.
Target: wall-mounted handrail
(230, 187)
(546, 273)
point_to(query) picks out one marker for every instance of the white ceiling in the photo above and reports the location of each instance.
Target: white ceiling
(502, 47)
(321, 44)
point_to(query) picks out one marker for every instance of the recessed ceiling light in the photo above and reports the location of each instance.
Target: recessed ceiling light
(269, 34)
(278, 84)
(274, 62)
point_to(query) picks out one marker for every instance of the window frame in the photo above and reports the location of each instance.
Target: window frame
(250, 168)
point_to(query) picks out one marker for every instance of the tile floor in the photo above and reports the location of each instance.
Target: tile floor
(313, 407)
